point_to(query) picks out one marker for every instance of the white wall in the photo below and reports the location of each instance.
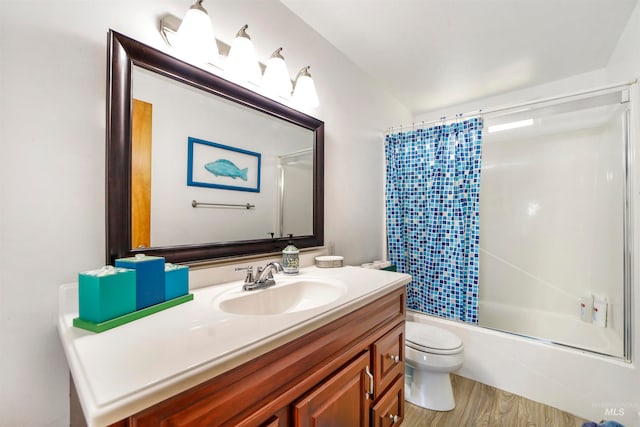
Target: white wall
(52, 112)
(624, 62)
(580, 383)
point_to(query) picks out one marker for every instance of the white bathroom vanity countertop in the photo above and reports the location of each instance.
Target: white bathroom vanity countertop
(124, 370)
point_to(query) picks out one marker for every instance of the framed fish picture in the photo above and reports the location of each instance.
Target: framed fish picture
(214, 165)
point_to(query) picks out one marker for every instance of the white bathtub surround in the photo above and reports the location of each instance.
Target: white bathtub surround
(198, 340)
(557, 327)
(575, 381)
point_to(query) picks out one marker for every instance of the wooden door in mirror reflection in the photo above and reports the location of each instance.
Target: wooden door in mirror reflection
(141, 122)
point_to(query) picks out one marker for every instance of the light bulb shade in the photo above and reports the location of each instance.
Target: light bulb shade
(195, 37)
(305, 94)
(242, 63)
(276, 80)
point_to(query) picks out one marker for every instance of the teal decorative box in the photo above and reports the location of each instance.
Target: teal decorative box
(176, 280)
(150, 282)
(106, 293)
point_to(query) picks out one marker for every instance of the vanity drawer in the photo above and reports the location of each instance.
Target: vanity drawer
(273, 422)
(388, 359)
(389, 410)
(259, 419)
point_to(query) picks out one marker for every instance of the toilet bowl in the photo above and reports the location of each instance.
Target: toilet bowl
(430, 354)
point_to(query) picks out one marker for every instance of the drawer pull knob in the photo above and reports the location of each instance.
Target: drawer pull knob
(393, 418)
(395, 358)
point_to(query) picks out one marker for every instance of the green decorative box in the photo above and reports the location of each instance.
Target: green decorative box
(129, 317)
(106, 293)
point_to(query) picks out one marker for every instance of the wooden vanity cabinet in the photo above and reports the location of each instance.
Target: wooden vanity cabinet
(389, 409)
(339, 401)
(319, 379)
(351, 395)
(388, 359)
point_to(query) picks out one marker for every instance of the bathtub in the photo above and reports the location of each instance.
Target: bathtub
(580, 382)
(551, 326)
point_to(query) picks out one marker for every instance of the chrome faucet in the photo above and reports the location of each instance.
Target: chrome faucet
(264, 279)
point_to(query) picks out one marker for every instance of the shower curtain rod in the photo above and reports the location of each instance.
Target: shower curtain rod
(482, 112)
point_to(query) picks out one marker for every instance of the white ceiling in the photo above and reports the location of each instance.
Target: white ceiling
(435, 53)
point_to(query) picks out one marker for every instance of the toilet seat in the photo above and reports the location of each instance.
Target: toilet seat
(431, 339)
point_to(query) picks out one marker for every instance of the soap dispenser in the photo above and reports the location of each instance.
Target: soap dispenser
(291, 258)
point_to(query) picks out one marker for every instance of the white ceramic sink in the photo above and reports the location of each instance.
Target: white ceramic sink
(287, 296)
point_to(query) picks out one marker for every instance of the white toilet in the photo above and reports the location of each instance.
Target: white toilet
(430, 354)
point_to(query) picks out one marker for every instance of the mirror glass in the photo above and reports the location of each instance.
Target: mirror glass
(200, 168)
(218, 176)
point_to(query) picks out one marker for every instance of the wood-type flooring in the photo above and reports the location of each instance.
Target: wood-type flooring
(482, 405)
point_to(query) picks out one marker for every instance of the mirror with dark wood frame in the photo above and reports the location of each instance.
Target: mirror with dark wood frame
(125, 55)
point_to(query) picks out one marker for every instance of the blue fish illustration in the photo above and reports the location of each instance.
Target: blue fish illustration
(224, 167)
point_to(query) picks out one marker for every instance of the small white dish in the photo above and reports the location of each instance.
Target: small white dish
(329, 261)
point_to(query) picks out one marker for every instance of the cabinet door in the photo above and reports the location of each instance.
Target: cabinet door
(339, 401)
(389, 410)
(388, 359)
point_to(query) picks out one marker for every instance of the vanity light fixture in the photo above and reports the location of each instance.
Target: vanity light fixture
(305, 93)
(195, 36)
(276, 81)
(242, 64)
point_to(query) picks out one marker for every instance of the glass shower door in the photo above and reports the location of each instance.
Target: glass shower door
(553, 221)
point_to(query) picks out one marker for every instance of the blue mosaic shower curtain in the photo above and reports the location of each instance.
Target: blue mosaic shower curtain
(433, 216)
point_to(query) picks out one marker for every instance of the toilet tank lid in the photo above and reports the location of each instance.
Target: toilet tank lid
(431, 336)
